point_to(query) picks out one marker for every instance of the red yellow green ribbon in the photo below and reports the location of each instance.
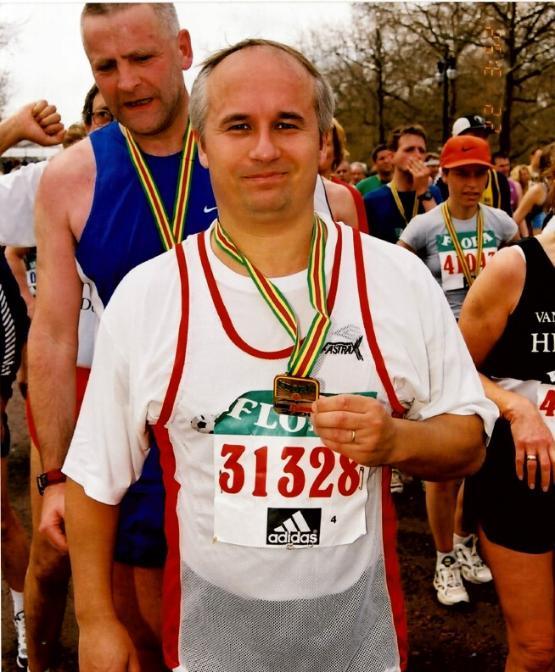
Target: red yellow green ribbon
(305, 352)
(470, 277)
(170, 234)
(399, 203)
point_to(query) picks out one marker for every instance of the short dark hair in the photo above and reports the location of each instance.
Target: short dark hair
(499, 155)
(87, 112)
(377, 150)
(397, 134)
(165, 11)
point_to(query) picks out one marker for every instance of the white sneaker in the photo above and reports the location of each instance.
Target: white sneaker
(448, 582)
(473, 568)
(397, 486)
(19, 624)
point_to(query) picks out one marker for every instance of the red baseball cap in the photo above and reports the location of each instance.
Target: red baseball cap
(465, 150)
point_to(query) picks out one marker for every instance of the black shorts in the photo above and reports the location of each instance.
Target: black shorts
(509, 512)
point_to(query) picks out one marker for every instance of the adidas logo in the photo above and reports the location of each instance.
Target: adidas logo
(293, 527)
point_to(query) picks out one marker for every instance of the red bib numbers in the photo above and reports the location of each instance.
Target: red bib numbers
(546, 405)
(452, 275)
(294, 480)
(257, 476)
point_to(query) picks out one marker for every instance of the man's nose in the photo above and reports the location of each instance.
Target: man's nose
(265, 147)
(127, 77)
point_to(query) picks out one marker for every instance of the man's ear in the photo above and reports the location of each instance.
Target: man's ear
(184, 46)
(203, 158)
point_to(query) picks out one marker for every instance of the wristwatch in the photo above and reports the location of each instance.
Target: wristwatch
(51, 477)
(426, 196)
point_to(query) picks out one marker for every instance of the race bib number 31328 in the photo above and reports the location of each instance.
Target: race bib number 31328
(275, 484)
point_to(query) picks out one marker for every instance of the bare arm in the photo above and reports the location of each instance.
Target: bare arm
(534, 196)
(341, 203)
(53, 335)
(482, 321)
(443, 447)
(104, 645)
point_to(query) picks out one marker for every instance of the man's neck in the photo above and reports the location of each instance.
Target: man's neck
(275, 248)
(402, 179)
(460, 211)
(384, 177)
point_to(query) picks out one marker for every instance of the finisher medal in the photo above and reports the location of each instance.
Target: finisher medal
(294, 391)
(294, 395)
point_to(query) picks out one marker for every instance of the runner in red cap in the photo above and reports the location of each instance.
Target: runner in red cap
(456, 240)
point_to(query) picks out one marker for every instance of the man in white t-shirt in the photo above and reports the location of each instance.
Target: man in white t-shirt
(278, 514)
(456, 239)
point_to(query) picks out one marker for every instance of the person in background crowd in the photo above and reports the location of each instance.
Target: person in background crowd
(343, 200)
(497, 193)
(520, 174)
(343, 172)
(382, 164)
(74, 133)
(38, 122)
(534, 165)
(391, 207)
(502, 164)
(283, 577)
(358, 172)
(533, 208)
(456, 240)
(507, 322)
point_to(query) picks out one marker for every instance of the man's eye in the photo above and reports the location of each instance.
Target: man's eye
(238, 127)
(144, 58)
(286, 125)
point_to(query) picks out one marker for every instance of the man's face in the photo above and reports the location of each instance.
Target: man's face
(261, 140)
(357, 174)
(343, 171)
(466, 184)
(384, 163)
(138, 67)
(502, 165)
(101, 115)
(410, 147)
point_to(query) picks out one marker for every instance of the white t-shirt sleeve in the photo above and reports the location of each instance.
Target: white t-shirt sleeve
(507, 225)
(453, 385)
(414, 234)
(110, 443)
(17, 203)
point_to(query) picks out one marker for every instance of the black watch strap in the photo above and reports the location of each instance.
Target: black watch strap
(426, 196)
(51, 477)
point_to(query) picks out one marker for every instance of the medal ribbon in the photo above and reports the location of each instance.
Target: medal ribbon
(170, 234)
(399, 203)
(304, 354)
(456, 244)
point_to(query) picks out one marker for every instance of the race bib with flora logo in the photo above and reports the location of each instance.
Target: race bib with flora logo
(277, 485)
(452, 275)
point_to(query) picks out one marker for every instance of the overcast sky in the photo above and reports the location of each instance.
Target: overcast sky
(45, 58)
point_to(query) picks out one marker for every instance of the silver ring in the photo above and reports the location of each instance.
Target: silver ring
(353, 436)
(531, 458)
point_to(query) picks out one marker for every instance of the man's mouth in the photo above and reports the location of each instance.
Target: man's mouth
(138, 103)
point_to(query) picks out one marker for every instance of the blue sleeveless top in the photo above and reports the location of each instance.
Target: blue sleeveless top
(120, 232)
